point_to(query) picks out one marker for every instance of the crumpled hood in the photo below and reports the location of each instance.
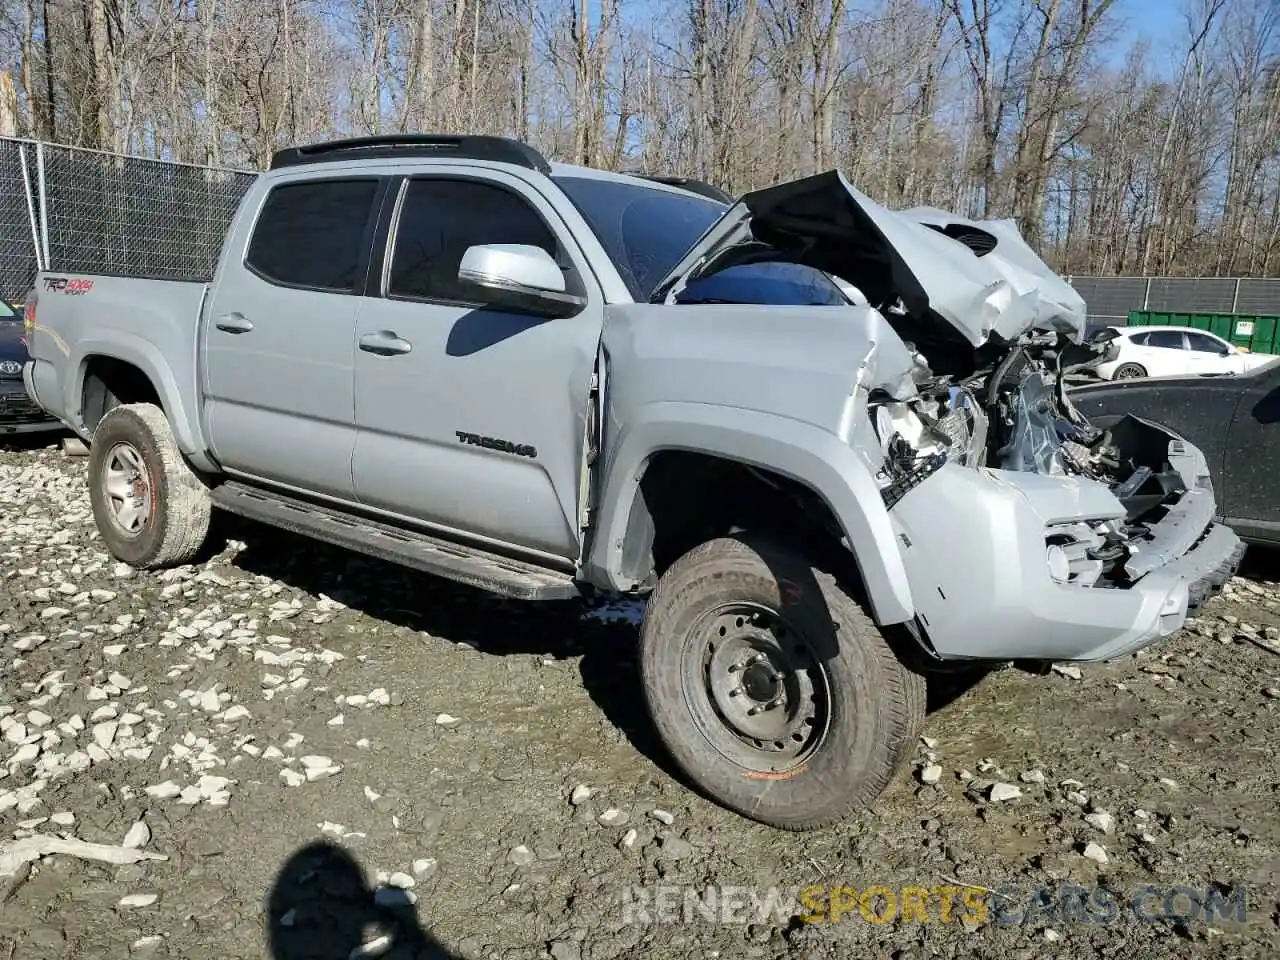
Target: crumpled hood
(978, 276)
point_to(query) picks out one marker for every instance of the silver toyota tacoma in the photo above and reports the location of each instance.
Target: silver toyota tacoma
(829, 441)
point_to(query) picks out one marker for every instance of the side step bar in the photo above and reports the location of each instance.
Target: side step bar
(477, 568)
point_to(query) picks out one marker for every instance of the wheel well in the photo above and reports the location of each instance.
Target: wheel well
(108, 383)
(688, 498)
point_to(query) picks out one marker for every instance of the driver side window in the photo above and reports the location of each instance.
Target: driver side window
(1206, 344)
(440, 218)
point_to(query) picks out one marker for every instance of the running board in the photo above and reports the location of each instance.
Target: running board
(477, 568)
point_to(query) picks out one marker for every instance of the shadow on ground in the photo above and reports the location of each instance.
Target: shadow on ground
(321, 907)
(461, 614)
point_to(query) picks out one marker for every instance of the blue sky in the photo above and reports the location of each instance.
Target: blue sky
(1162, 21)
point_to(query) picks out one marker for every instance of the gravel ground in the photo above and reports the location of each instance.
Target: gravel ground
(319, 754)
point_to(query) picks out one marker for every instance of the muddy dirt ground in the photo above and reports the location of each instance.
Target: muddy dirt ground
(335, 757)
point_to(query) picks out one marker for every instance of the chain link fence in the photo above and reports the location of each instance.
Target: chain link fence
(18, 226)
(84, 211)
(1111, 298)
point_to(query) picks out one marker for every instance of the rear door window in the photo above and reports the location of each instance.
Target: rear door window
(312, 234)
(1170, 339)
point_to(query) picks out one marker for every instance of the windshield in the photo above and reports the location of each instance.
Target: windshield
(645, 230)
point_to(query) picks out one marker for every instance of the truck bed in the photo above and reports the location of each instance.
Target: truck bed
(150, 323)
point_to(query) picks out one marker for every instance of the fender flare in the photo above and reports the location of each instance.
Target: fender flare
(146, 356)
(800, 451)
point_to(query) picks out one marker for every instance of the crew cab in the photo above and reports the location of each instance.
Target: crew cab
(829, 441)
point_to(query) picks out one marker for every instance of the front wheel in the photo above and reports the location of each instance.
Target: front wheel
(151, 509)
(774, 692)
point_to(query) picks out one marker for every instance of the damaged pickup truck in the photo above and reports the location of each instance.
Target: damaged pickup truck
(829, 441)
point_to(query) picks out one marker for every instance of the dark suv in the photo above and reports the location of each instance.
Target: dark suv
(18, 413)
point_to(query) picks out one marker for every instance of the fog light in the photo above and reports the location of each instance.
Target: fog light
(1059, 563)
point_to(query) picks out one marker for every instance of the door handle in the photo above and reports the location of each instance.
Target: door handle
(234, 323)
(385, 343)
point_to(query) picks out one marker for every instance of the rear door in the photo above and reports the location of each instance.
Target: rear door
(472, 418)
(1163, 354)
(280, 330)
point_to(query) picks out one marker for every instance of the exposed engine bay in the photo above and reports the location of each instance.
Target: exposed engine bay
(1013, 413)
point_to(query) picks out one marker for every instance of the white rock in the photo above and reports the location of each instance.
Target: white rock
(447, 721)
(104, 733)
(1071, 673)
(119, 680)
(16, 733)
(209, 701)
(109, 712)
(424, 866)
(313, 761)
(580, 795)
(371, 948)
(64, 818)
(38, 718)
(164, 791)
(613, 817)
(356, 700)
(930, 773)
(371, 795)
(401, 880)
(289, 918)
(337, 721)
(138, 836)
(292, 777)
(319, 773)
(114, 649)
(1101, 820)
(138, 900)
(1032, 776)
(232, 714)
(1051, 935)
(25, 754)
(1001, 792)
(95, 693)
(629, 839)
(662, 816)
(1095, 852)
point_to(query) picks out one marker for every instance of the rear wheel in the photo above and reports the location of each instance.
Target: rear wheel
(1129, 371)
(150, 508)
(774, 692)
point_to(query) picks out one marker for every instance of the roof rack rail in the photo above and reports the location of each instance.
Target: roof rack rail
(409, 145)
(693, 186)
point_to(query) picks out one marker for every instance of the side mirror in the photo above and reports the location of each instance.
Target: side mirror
(521, 277)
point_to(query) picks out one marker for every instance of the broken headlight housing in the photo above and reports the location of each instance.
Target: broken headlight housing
(1083, 552)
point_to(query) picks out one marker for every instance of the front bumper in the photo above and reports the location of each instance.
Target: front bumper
(19, 413)
(973, 543)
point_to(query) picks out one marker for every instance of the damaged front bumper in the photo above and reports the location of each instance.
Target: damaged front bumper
(975, 544)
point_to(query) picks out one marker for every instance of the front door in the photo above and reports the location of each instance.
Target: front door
(472, 418)
(279, 336)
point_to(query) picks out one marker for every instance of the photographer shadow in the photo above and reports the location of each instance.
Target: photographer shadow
(321, 907)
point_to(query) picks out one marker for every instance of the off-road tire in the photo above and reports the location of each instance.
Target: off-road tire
(876, 705)
(1129, 371)
(178, 520)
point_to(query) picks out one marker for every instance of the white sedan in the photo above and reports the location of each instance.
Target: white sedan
(1175, 352)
